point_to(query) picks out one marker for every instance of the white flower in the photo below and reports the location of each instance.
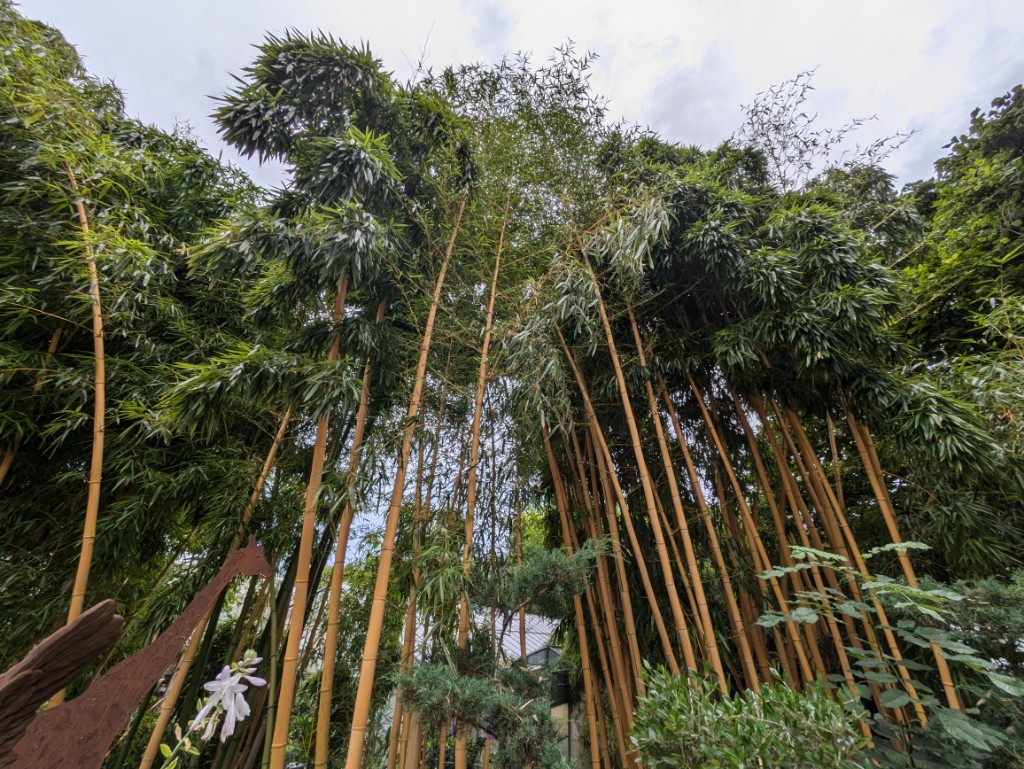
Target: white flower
(226, 696)
(247, 666)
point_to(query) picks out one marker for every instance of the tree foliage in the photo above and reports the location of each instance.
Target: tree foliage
(563, 364)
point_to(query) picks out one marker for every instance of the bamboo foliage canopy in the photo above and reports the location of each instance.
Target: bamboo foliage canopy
(486, 353)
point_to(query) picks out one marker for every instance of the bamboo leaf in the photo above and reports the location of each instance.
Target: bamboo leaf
(1006, 683)
(894, 698)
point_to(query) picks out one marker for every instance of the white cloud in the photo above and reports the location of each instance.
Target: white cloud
(681, 67)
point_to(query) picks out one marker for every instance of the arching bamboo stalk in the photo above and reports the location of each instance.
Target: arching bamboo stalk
(748, 612)
(398, 740)
(835, 526)
(461, 745)
(593, 529)
(92, 506)
(323, 722)
(697, 582)
(581, 629)
(786, 558)
(368, 669)
(600, 477)
(410, 733)
(836, 472)
(874, 472)
(808, 533)
(618, 681)
(754, 544)
(873, 468)
(681, 572)
(608, 669)
(645, 482)
(612, 670)
(611, 493)
(732, 609)
(609, 477)
(289, 671)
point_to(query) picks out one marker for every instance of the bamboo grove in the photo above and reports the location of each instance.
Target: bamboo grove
(487, 354)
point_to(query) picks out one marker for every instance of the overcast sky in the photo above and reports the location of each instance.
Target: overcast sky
(681, 68)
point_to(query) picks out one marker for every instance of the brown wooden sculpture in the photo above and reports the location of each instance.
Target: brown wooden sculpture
(78, 734)
(51, 666)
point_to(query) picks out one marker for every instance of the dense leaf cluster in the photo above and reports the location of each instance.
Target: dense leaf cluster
(684, 722)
